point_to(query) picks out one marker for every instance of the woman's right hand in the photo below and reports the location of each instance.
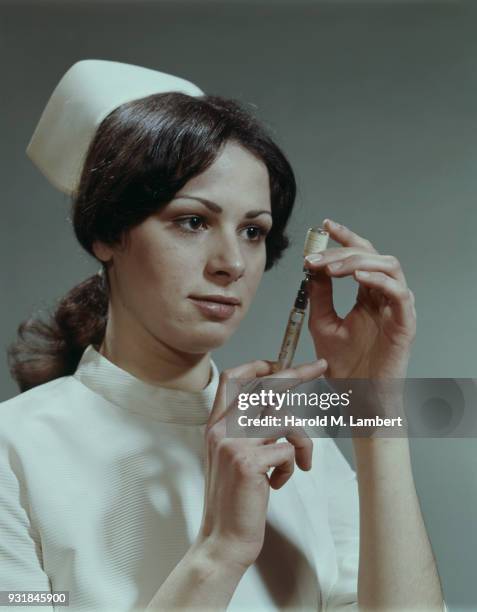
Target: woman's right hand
(237, 487)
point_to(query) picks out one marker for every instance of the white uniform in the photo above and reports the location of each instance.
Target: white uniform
(101, 495)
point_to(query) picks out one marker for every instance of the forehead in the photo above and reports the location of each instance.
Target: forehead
(236, 176)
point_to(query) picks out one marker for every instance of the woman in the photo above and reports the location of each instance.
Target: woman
(119, 484)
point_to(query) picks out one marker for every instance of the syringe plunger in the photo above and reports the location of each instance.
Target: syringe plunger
(316, 240)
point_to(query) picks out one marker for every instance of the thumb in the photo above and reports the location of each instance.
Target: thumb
(320, 292)
(253, 369)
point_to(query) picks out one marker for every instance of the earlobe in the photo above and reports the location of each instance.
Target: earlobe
(102, 251)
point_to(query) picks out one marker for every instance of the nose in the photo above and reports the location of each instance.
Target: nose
(225, 257)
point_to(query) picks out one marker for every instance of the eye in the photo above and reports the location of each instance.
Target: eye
(260, 232)
(193, 223)
(186, 221)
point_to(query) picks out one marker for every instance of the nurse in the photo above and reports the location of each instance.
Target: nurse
(118, 483)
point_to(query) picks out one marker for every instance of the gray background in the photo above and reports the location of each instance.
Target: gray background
(376, 106)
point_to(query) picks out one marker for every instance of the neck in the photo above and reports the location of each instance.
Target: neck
(154, 362)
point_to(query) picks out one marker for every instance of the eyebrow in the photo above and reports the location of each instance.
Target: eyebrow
(218, 209)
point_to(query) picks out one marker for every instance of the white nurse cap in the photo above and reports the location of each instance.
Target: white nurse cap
(86, 94)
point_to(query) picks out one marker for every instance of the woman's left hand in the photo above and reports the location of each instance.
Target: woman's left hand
(374, 339)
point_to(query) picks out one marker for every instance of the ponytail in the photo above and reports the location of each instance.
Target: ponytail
(44, 351)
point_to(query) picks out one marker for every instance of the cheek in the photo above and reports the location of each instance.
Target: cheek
(149, 256)
(255, 270)
(160, 270)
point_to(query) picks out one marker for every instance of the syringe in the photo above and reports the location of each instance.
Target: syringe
(316, 241)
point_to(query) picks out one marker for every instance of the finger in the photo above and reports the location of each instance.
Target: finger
(413, 299)
(279, 381)
(370, 262)
(281, 457)
(282, 380)
(296, 435)
(346, 237)
(318, 260)
(303, 447)
(322, 311)
(399, 295)
(253, 370)
(298, 374)
(263, 390)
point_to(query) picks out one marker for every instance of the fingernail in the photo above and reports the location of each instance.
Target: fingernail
(362, 273)
(315, 258)
(335, 266)
(321, 363)
(334, 225)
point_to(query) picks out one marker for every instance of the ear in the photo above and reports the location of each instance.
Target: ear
(102, 251)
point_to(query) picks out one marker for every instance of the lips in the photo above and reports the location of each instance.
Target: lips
(214, 309)
(221, 299)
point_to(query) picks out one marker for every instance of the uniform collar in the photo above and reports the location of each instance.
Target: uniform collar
(132, 394)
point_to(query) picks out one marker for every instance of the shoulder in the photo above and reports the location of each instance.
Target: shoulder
(44, 401)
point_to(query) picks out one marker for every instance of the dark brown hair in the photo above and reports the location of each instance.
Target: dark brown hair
(142, 154)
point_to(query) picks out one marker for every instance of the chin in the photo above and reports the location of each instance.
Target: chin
(204, 341)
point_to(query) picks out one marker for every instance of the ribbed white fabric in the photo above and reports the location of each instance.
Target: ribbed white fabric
(101, 494)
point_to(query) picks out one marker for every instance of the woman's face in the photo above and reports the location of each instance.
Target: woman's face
(208, 241)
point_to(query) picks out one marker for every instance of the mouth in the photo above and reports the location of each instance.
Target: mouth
(220, 299)
(217, 307)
